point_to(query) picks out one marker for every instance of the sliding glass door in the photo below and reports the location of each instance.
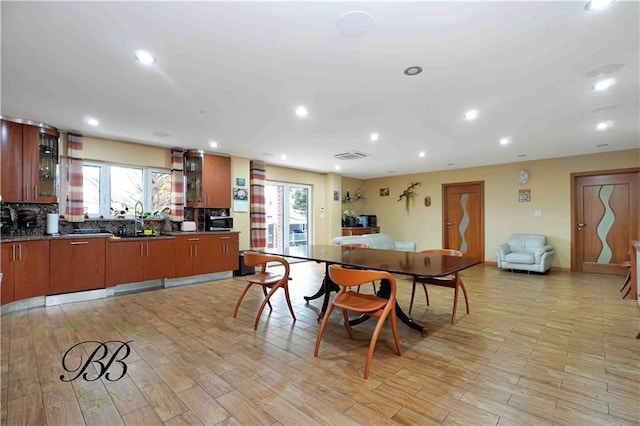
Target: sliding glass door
(288, 208)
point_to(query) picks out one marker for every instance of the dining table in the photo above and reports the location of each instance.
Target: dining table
(396, 262)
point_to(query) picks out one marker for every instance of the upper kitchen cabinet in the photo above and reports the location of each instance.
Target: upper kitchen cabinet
(208, 179)
(30, 163)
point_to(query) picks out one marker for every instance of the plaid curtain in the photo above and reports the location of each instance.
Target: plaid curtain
(177, 185)
(257, 209)
(74, 210)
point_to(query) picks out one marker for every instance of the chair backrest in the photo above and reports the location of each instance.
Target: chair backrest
(347, 277)
(252, 258)
(355, 245)
(446, 252)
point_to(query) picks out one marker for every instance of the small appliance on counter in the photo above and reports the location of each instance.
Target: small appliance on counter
(27, 219)
(188, 226)
(369, 220)
(218, 223)
(52, 223)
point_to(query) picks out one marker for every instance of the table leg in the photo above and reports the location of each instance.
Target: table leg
(385, 291)
(325, 290)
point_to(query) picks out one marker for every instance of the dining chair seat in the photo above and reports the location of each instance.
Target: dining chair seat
(451, 281)
(267, 280)
(367, 304)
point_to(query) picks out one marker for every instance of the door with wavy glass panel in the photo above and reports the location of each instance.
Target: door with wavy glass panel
(605, 221)
(463, 215)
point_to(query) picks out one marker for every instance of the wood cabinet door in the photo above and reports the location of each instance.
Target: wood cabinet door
(7, 255)
(31, 269)
(30, 162)
(203, 255)
(183, 257)
(158, 259)
(124, 262)
(217, 181)
(11, 156)
(226, 253)
(77, 264)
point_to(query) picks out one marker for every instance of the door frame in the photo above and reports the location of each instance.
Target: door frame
(481, 219)
(574, 209)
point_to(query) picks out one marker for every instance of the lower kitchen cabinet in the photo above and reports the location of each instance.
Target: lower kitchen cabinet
(134, 261)
(77, 264)
(25, 270)
(225, 252)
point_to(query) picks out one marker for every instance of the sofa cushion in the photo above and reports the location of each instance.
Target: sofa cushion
(523, 258)
(526, 243)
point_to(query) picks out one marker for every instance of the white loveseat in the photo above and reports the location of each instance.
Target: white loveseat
(376, 241)
(526, 252)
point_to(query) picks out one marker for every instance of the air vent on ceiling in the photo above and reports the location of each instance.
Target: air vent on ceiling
(351, 155)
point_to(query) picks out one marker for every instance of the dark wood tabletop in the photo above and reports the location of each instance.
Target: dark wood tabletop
(394, 261)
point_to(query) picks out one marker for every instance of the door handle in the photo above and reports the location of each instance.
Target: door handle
(449, 224)
(581, 225)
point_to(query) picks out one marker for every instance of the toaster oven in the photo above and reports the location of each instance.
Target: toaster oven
(218, 223)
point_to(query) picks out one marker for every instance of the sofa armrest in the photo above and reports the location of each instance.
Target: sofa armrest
(502, 251)
(542, 251)
(405, 246)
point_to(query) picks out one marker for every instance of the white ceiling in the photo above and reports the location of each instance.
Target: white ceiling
(234, 72)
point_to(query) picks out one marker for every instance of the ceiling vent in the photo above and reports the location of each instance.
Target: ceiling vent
(351, 155)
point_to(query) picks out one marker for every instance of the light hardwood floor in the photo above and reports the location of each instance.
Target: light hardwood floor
(535, 350)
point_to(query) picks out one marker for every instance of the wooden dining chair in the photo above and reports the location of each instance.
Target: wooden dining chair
(451, 281)
(266, 279)
(366, 304)
(360, 245)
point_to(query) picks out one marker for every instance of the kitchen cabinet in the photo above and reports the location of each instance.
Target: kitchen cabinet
(357, 230)
(225, 252)
(30, 163)
(135, 261)
(193, 255)
(208, 180)
(77, 264)
(25, 270)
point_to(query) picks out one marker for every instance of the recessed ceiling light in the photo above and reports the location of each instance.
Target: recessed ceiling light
(283, 157)
(470, 115)
(336, 167)
(504, 141)
(422, 154)
(414, 70)
(598, 4)
(604, 125)
(213, 144)
(145, 57)
(374, 137)
(301, 111)
(604, 84)
(93, 121)
(354, 23)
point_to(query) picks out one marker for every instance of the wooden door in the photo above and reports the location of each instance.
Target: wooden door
(605, 220)
(158, 260)
(463, 216)
(11, 157)
(217, 181)
(124, 262)
(7, 260)
(226, 252)
(32, 270)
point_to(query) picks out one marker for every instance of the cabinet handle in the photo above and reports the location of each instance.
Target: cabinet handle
(35, 192)
(193, 239)
(147, 249)
(225, 238)
(77, 243)
(13, 252)
(141, 252)
(190, 251)
(195, 250)
(19, 251)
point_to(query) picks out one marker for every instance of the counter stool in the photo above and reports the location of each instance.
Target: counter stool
(627, 281)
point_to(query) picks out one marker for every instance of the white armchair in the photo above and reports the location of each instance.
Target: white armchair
(526, 252)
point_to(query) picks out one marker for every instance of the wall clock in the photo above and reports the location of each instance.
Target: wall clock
(523, 177)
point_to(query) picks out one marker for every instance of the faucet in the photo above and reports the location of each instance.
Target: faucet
(137, 220)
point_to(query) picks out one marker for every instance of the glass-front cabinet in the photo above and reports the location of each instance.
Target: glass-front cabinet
(30, 162)
(49, 167)
(208, 180)
(193, 162)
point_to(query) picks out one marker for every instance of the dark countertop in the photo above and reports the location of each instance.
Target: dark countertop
(164, 235)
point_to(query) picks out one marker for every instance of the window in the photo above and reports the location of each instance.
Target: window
(111, 189)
